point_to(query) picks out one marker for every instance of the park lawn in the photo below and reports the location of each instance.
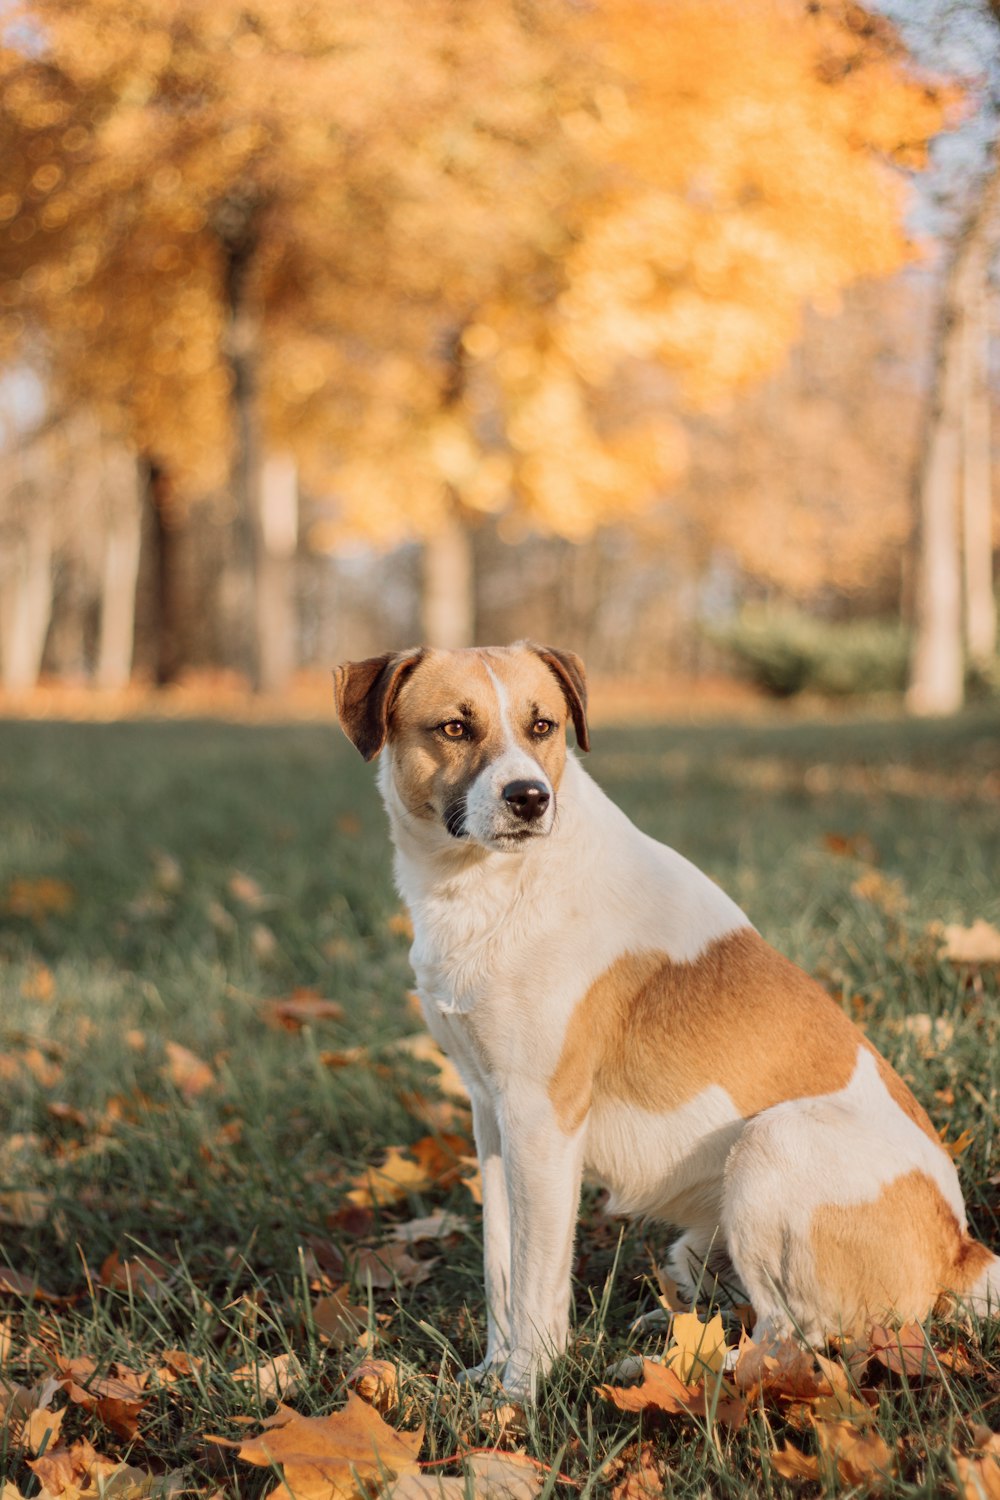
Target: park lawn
(161, 882)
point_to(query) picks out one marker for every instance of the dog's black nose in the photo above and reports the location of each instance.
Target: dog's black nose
(526, 799)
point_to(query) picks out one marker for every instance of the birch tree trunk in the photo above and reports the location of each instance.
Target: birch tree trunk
(448, 584)
(120, 572)
(977, 486)
(26, 602)
(937, 668)
(275, 620)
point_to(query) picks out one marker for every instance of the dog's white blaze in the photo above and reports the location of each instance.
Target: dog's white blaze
(486, 816)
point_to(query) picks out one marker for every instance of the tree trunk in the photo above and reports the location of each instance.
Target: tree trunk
(26, 602)
(275, 617)
(160, 574)
(977, 488)
(122, 542)
(937, 665)
(448, 593)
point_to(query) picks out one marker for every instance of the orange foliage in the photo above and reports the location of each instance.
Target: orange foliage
(486, 247)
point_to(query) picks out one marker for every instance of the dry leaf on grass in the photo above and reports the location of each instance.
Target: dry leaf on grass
(439, 1226)
(38, 898)
(17, 1284)
(696, 1349)
(433, 1161)
(337, 1321)
(662, 1390)
(979, 1477)
(904, 1351)
(377, 1382)
(188, 1073)
(138, 1273)
(495, 1476)
(977, 946)
(247, 891)
(271, 1378)
(323, 1458)
(386, 1265)
(303, 1007)
(859, 1458)
(80, 1473)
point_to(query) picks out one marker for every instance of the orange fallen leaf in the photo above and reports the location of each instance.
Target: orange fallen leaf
(979, 1477)
(377, 1382)
(663, 1390)
(323, 1457)
(401, 924)
(904, 1351)
(337, 1321)
(303, 1007)
(38, 898)
(959, 1145)
(247, 891)
(38, 984)
(791, 1463)
(139, 1273)
(860, 1457)
(189, 1074)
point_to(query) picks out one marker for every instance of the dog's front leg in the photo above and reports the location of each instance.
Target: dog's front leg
(496, 1237)
(544, 1168)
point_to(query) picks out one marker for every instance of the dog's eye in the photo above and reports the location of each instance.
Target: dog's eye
(454, 729)
(542, 727)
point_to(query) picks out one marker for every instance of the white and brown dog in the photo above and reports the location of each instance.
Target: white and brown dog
(614, 1013)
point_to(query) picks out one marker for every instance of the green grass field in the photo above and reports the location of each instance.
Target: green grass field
(160, 882)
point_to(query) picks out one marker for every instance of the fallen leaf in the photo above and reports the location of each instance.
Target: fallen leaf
(959, 1145)
(168, 875)
(880, 890)
(139, 1273)
(323, 1457)
(439, 1226)
(43, 1070)
(303, 1007)
(38, 898)
(401, 924)
(38, 984)
(271, 1378)
(663, 1390)
(977, 945)
(979, 1477)
(263, 942)
(376, 1381)
(851, 846)
(246, 890)
(791, 1463)
(494, 1476)
(695, 1348)
(17, 1284)
(386, 1265)
(189, 1074)
(904, 1351)
(337, 1321)
(862, 1458)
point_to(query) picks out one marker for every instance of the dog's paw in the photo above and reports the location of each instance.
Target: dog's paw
(487, 1369)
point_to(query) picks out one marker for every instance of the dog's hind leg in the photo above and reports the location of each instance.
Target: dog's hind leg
(699, 1263)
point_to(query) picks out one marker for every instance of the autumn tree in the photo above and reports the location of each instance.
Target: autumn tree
(740, 162)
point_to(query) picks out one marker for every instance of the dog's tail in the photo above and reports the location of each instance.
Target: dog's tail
(976, 1278)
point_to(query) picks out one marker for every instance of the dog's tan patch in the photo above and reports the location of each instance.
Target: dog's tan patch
(654, 1033)
(432, 771)
(893, 1255)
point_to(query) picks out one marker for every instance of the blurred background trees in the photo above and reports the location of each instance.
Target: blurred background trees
(326, 326)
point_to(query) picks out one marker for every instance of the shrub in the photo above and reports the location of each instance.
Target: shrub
(787, 652)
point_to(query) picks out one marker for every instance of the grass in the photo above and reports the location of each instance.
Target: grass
(845, 842)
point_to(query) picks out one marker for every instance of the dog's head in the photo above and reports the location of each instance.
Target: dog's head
(476, 738)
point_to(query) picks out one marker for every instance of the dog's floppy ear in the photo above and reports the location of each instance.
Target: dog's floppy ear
(568, 667)
(365, 692)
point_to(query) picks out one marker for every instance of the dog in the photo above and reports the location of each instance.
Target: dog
(614, 1013)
